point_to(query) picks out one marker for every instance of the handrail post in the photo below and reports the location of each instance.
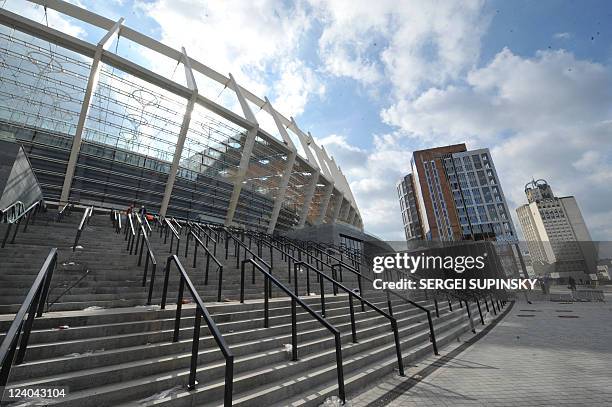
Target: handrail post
(341, 392)
(153, 269)
(220, 283)
(194, 348)
(432, 334)
(146, 271)
(229, 381)
(467, 307)
(266, 302)
(294, 343)
(398, 348)
(322, 288)
(179, 306)
(165, 289)
(142, 242)
(295, 280)
(352, 311)
(242, 282)
(195, 254)
(479, 311)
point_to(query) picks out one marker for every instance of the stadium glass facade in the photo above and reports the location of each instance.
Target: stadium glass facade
(101, 129)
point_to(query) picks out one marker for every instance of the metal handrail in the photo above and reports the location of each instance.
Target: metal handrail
(462, 297)
(246, 249)
(387, 291)
(209, 255)
(146, 221)
(12, 212)
(65, 211)
(201, 311)
(30, 212)
(149, 258)
(176, 222)
(269, 279)
(130, 233)
(208, 236)
(174, 234)
(351, 294)
(33, 305)
(84, 220)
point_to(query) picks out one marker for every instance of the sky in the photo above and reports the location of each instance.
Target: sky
(375, 80)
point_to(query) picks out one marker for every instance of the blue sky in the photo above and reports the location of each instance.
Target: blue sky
(373, 81)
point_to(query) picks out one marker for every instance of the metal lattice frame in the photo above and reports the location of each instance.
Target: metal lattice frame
(216, 141)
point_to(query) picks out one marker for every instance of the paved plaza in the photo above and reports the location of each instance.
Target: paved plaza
(540, 354)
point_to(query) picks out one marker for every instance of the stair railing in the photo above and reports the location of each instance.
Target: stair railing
(322, 277)
(177, 226)
(201, 311)
(130, 233)
(295, 300)
(65, 211)
(84, 221)
(14, 214)
(149, 258)
(209, 256)
(173, 235)
(389, 293)
(209, 236)
(21, 327)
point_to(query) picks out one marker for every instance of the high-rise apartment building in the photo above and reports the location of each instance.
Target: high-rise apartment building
(408, 205)
(558, 239)
(457, 196)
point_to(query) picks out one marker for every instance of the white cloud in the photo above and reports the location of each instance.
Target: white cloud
(409, 44)
(373, 176)
(53, 18)
(562, 36)
(543, 117)
(258, 42)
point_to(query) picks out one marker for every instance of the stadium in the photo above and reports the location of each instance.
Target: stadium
(100, 129)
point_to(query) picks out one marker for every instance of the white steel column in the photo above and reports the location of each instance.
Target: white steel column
(246, 151)
(284, 182)
(337, 206)
(92, 82)
(324, 204)
(180, 143)
(352, 216)
(282, 191)
(346, 207)
(310, 192)
(305, 141)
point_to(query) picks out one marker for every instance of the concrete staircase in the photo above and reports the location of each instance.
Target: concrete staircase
(123, 354)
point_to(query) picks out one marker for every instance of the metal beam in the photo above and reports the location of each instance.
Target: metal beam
(310, 192)
(352, 215)
(154, 45)
(282, 191)
(337, 206)
(180, 143)
(344, 212)
(321, 158)
(279, 125)
(92, 83)
(246, 152)
(89, 50)
(324, 204)
(305, 142)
